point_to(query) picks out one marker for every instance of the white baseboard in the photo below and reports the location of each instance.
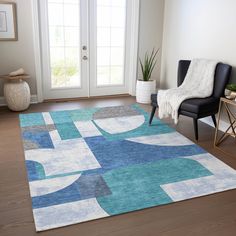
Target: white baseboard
(223, 125)
(33, 100)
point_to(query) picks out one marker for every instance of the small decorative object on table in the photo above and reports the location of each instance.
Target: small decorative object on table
(16, 90)
(146, 86)
(230, 91)
(231, 130)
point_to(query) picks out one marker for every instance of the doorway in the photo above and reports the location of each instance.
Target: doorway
(86, 47)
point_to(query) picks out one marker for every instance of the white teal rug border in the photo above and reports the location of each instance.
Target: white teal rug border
(92, 163)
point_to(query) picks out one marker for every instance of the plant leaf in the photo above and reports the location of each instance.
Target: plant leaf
(148, 64)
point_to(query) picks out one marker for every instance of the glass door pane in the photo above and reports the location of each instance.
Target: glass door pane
(110, 38)
(64, 43)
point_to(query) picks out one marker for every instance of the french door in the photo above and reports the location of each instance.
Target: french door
(84, 47)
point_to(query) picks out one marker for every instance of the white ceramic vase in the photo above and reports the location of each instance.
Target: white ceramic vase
(17, 95)
(144, 89)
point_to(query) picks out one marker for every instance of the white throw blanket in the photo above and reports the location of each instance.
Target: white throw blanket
(198, 83)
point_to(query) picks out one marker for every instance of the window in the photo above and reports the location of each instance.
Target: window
(111, 25)
(64, 37)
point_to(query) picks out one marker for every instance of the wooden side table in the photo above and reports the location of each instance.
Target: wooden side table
(16, 92)
(231, 130)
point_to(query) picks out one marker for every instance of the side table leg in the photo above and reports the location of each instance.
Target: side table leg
(218, 123)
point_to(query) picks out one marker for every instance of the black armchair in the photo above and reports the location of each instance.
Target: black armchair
(198, 108)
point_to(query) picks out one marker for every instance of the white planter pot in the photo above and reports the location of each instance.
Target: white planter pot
(144, 89)
(227, 92)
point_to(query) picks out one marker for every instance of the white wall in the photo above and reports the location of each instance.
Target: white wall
(151, 29)
(197, 29)
(16, 54)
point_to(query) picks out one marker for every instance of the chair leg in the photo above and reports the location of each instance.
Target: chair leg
(214, 119)
(195, 124)
(152, 114)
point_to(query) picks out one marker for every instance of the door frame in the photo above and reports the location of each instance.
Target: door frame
(132, 57)
(81, 90)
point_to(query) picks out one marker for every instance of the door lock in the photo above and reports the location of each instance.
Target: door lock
(85, 58)
(84, 48)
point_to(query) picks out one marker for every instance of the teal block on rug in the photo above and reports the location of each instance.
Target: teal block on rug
(92, 163)
(139, 186)
(33, 119)
(83, 115)
(67, 130)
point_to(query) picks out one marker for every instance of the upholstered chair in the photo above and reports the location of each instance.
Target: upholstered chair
(198, 108)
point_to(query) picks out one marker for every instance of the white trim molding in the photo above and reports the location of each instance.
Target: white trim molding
(33, 100)
(37, 48)
(133, 57)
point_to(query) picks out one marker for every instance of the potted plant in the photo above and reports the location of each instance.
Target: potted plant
(146, 86)
(230, 91)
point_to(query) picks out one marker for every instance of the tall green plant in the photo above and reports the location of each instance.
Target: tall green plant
(148, 64)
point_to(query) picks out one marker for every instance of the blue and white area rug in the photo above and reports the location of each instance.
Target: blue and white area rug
(88, 164)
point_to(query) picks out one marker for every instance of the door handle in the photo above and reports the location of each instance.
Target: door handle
(85, 58)
(84, 48)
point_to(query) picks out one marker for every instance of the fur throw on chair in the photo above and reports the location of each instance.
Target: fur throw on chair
(198, 83)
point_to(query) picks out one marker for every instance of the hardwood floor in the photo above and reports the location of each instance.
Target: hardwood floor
(210, 215)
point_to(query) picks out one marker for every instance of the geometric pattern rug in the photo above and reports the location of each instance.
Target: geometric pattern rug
(98, 162)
